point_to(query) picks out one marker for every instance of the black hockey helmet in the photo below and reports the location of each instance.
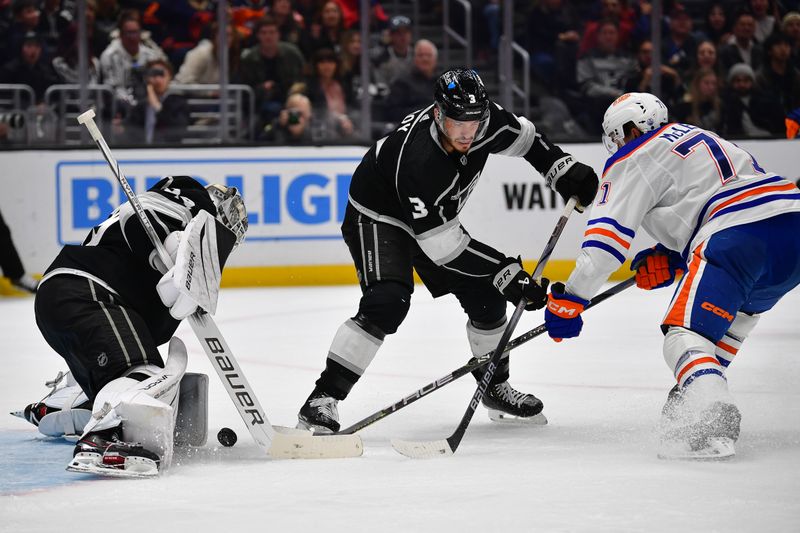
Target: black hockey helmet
(460, 95)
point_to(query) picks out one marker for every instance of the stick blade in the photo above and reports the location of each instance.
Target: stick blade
(422, 449)
(308, 446)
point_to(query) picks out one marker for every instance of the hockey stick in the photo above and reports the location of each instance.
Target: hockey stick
(472, 365)
(276, 444)
(448, 446)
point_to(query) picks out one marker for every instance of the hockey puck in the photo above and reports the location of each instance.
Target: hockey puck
(226, 437)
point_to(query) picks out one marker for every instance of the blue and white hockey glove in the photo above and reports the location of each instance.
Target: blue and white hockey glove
(563, 314)
(657, 267)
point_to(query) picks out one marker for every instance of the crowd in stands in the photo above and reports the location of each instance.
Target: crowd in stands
(731, 67)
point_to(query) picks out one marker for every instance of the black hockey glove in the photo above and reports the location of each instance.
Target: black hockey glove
(578, 180)
(514, 283)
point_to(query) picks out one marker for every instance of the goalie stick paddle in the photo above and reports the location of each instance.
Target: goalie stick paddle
(448, 446)
(478, 362)
(275, 444)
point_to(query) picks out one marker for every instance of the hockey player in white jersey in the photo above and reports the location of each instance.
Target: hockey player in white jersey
(732, 228)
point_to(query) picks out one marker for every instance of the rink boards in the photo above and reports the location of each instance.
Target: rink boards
(296, 199)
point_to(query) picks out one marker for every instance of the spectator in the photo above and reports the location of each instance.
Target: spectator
(293, 124)
(350, 67)
(11, 264)
(52, 22)
(679, 46)
(26, 20)
(791, 27)
(412, 91)
(491, 20)
(747, 112)
(65, 63)
(702, 104)
(642, 77)
(201, 64)
(326, 29)
(777, 77)
(765, 16)
(161, 117)
(552, 42)
(611, 10)
(122, 62)
(179, 25)
(30, 68)
(706, 57)
(717, 25)
(601, 75)
(270, 68)
(742, 47)
(398, 55)
(328, 99)
(290, 22)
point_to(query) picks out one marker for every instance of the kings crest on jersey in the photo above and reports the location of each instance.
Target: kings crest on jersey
(408, 179)
(118, 254)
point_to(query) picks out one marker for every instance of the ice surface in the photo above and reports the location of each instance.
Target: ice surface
(593, 468)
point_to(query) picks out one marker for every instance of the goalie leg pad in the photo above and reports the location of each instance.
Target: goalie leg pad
(144, 409)
(191, 425)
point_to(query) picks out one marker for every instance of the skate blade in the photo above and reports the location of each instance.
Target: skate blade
(718, 449)
(306, 427)
(106, 471)
(505, 418)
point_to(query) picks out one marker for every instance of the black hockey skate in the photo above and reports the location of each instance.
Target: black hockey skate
(506, 404)
(319, 413)
(104, 453)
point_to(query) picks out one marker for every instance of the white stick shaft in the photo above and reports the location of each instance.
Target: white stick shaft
(217, 350)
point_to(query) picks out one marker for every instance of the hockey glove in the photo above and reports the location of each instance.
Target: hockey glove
(563, 314)
(657, 267)
(579, 180)
(514, 283)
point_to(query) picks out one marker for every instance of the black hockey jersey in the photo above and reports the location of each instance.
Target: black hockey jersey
(407, 179)
(119, 255)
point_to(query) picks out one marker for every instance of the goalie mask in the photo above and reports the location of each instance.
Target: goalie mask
(230, 209)
(643, 110)
(461, 96)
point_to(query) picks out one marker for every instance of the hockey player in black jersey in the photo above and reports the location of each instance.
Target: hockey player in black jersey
(404, 203)
(106, 305)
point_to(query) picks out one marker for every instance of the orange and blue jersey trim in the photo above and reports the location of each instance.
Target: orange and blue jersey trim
(628, 150)
(774, 188)
(608, 235)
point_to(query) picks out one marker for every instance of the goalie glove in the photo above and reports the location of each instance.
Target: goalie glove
(563, 314)
(514, 283)
(194, 280)
(657, 267)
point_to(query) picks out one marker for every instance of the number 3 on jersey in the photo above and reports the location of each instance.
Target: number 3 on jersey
(419, 208)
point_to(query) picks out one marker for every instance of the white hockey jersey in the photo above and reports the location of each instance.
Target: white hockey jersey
(681, 184)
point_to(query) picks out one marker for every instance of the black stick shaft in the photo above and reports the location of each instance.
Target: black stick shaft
(472, 365)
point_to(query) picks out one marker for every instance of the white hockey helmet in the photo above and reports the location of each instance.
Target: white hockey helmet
(644, 110)
(230, 209)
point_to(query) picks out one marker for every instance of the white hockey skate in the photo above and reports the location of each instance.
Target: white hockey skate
(707, 435)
